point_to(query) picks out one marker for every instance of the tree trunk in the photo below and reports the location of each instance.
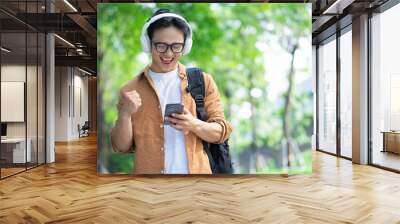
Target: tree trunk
(286, 110)
(253, 120)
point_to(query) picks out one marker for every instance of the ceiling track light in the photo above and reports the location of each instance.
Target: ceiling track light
(64, 40)
(84, 71)
(337, 7)
(70, 5)
(5, 50)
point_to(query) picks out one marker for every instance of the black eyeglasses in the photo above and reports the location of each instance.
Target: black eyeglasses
(163, 47)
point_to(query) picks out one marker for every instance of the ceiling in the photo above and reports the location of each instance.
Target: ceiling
(75, 21)
(328, 16)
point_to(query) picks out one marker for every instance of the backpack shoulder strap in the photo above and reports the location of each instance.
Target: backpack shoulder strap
(196, 87)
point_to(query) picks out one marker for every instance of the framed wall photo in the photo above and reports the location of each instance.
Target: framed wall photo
(257, 98)
(12, 101)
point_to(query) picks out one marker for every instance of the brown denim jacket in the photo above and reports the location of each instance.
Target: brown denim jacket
(148, 128)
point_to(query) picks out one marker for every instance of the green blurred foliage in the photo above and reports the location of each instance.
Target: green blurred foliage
(226, 41)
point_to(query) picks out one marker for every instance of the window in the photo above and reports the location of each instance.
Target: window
(385, 87)
(327, 97)
(23, 84)
(346, 94)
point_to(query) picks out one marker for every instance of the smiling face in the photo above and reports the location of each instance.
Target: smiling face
(168, 61)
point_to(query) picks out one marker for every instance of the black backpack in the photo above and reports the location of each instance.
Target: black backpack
(218, 154)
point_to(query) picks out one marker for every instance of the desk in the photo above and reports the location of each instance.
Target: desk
(13, 150)
(391, 141)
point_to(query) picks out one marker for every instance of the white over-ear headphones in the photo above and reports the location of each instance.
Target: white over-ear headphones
(145, 39)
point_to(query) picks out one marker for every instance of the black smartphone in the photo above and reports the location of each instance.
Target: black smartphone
(171, 108)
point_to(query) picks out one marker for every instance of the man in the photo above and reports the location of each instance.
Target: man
(176, 148)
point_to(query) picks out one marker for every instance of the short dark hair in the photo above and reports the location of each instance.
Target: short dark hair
(167, 22)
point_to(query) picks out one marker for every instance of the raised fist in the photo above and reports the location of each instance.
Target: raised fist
(131, 101)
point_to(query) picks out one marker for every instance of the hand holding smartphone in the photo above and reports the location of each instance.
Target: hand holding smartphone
(172, 108)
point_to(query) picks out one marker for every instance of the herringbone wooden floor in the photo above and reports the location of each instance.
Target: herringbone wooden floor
(70, 191)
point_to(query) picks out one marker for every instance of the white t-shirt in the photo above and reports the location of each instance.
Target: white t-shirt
(168, 87)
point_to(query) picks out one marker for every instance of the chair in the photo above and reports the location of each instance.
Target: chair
(84, 130)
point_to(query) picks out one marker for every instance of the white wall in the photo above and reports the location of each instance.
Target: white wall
(61, 103)
(70, 83)
(80, 89)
